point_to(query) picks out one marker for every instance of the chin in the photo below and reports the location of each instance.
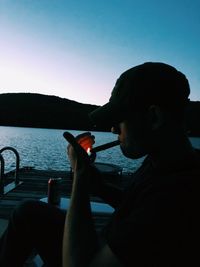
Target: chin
(132, 154)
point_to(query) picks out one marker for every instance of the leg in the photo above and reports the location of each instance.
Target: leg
(33, 225)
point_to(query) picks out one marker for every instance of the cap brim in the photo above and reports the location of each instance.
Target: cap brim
(106, 115)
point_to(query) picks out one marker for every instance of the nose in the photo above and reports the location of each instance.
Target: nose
(115, 129)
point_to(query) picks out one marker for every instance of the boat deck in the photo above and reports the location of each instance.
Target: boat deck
(34, 187)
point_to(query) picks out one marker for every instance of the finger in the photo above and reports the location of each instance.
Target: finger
(72, 141)
(82, 135)
(68, 136)
(69, 148)
(86, 137)
(86, 143)
(86, 140)
(78, 138)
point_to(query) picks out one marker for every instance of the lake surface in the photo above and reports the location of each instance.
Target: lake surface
(46, 148)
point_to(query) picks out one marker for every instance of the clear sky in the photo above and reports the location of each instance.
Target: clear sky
(76, 49)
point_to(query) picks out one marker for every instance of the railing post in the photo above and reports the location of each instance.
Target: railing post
(17, 161)
(2, 175)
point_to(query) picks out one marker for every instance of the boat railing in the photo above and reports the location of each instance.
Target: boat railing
(5, 188)
(2, 174)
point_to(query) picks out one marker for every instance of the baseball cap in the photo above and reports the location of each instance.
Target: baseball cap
(151, 83)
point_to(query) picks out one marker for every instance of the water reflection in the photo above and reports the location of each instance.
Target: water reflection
(46, 148)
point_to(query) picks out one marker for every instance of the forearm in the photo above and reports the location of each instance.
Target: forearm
(80, 239)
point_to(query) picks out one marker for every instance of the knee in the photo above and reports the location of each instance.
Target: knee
(27, 207)
(25, 211)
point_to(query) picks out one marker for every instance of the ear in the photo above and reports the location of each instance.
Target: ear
(115, 129)
(155, 117)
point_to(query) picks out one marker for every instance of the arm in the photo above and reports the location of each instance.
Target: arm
(108, 192)
(80, 239)
(80, 242)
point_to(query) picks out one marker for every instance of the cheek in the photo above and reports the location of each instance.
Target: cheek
(135, 143)
(128, 144)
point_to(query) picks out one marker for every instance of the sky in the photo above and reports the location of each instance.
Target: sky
(76, 49)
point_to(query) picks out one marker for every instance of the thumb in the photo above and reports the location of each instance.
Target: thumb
(70, 138)
(81, 153)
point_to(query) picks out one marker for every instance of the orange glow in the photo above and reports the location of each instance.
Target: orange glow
(86, 142)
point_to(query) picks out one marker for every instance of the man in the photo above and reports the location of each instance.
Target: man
(155, 222)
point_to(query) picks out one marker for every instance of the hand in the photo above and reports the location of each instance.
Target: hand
(78, 146)
(86, 140)
(79, 159)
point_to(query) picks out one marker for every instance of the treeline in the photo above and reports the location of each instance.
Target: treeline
(43, 111)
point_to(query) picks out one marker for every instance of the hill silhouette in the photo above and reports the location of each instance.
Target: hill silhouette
(44, 111)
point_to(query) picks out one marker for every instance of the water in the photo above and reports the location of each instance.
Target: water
(46, 149)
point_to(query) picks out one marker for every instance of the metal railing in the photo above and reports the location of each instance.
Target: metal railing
(2, 174)
(4, 189)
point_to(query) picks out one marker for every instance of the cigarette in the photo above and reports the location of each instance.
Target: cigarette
(105, 146)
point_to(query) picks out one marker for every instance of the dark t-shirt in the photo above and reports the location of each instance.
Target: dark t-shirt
(157, 223)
